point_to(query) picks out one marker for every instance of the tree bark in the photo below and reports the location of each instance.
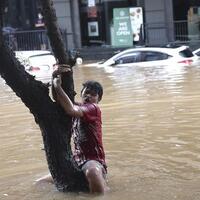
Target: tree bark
(54, 124)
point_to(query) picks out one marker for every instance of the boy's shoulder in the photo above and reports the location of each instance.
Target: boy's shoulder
(91, 109)
(90, 106)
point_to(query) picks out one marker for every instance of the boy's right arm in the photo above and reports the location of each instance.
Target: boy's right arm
(64, 100)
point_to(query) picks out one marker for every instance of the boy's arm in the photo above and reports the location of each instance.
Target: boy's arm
(64, 100)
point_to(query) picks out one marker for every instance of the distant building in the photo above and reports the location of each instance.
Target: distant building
(92, 22)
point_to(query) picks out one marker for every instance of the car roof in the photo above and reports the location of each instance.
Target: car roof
(27, 54)
(196, 51)
(159, 49)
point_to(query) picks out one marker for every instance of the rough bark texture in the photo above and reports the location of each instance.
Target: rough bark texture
(54, 124)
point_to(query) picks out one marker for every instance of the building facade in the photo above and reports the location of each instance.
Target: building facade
(114, 23)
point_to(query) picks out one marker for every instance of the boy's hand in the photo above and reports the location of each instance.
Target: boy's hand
(57, 82)
(56, 77)
(59, 69)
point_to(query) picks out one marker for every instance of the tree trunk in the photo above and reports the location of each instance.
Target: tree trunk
(55, 125)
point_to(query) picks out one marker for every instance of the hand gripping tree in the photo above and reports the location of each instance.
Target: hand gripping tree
(54, 124)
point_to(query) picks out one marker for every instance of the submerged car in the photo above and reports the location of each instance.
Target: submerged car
(152, 56)
(38, 63)
(197, 52)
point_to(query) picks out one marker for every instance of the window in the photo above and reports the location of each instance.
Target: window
(154, 56)
(186, 53)
(198, 53)
(128, 58)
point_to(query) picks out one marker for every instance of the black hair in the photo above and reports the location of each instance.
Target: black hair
(94, 86)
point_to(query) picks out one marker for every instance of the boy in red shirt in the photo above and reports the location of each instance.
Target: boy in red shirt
(86, 130)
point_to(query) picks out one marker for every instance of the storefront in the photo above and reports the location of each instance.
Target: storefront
(97, 22)
(187, 19)
(113, 23)
(129, 22)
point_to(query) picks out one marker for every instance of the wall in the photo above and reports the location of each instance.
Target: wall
(159, 21)
(68, 18)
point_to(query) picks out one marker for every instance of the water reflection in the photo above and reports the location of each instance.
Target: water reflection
(151, 136)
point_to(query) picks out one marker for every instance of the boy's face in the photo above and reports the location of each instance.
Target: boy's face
(89, 96)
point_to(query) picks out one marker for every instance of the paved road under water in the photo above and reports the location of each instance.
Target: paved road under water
(151, 136)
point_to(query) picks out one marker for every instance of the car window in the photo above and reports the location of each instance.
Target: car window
(154, 56)
(198, 53)
(186, 53)
(130, 58)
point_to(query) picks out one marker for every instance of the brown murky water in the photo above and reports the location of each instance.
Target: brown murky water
(151, 137)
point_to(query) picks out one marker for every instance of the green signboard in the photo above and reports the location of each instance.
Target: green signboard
(122, 33)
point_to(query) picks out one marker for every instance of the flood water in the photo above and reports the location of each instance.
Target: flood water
(151, 134)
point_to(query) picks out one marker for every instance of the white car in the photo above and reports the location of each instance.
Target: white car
(197, 52)
(152, 56)
(38, 63)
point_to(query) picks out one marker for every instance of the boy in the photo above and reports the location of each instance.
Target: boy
(86, 130)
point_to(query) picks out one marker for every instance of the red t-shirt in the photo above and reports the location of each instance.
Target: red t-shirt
(87, 135)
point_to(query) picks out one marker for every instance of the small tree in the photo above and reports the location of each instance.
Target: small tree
(54, 124)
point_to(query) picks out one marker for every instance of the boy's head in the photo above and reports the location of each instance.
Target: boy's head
(92, 92)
